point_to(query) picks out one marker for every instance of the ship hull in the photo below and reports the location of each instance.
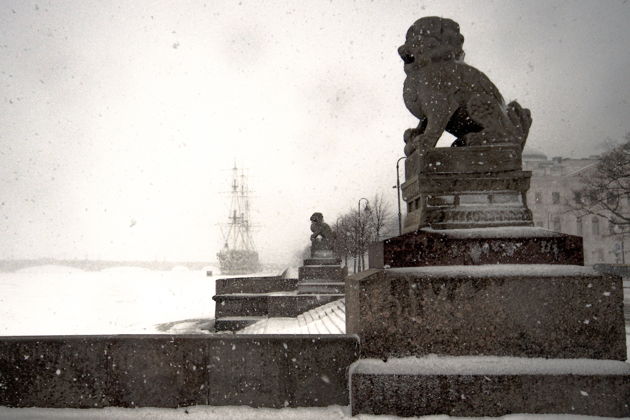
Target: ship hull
(235, 261)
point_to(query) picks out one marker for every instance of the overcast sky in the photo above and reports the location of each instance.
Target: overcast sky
(120, 120)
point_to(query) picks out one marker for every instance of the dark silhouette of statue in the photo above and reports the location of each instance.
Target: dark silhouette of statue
(446, 94)
(479, 182)
(323, 237)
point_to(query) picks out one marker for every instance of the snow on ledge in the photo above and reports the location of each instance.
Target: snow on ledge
(489, 365)
(497, 232)
(499, 270)
(204, 412)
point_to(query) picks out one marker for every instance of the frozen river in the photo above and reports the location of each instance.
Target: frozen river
(52, 300)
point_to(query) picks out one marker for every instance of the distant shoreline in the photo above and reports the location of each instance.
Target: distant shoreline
(98, 265)
(8, 266)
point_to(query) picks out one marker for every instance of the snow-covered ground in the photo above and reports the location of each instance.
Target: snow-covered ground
(54, 300)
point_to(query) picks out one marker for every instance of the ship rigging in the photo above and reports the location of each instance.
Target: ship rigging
(239, 255)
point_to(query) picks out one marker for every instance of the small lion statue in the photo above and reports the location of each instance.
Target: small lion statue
(321, 229)
(446, 94)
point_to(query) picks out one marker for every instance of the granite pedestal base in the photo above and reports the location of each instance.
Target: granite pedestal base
(466, 187)
(506, 245)
(322, 276)
(490, 386)
(243, 301)
(521, 338)
(503, 310)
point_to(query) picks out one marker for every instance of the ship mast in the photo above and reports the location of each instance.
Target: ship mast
(238, 235)
(239, 252)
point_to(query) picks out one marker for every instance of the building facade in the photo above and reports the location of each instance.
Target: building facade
(553, 185)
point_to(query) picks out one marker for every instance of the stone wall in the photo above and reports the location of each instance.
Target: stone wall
(254, 285)
(175, 370)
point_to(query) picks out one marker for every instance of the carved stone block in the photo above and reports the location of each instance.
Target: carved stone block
(490, 387)
(428, 247)
(322, 278)
(471, 160)
(503, 310)
(462, 200)
(321, 272)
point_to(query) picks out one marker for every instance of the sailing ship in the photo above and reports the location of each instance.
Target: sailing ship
(239, 255)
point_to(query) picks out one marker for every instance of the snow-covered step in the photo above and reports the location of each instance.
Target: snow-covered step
(326, 319)
(321, 287)
(234, 323)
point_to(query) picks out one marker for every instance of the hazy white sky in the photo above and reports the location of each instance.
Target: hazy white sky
(120, 119)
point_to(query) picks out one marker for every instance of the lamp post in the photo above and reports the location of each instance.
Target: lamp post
(359, 233)
(398, 193)
(620, 230)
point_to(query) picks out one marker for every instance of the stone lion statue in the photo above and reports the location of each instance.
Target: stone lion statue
(321, 230)
(446, 94)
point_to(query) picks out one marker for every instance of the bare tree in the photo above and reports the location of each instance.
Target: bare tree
(354, 233)
(605, 192)
(344, 234)
(381, 215)
(606, 188)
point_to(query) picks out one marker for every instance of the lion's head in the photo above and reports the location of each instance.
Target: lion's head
(431, 39)
(317, 218)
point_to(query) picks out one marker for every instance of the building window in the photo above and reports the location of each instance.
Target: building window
(537, 197)
(580, 228)
(595, 226)
(555, 197)
(556, 224)
(611, 228)
(577, 195)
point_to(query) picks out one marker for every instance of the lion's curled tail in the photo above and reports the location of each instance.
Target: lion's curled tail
(521, 119)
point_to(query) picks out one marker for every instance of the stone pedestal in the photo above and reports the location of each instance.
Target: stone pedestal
(509, 308)
(246, 300)
(322, 275)
(501, 310)
(529, 318)
(490, 386)
(505, 245)
(465, 187)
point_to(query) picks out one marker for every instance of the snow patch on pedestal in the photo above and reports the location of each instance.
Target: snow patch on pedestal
(500, 270)
(489, 365)
(496, 232)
